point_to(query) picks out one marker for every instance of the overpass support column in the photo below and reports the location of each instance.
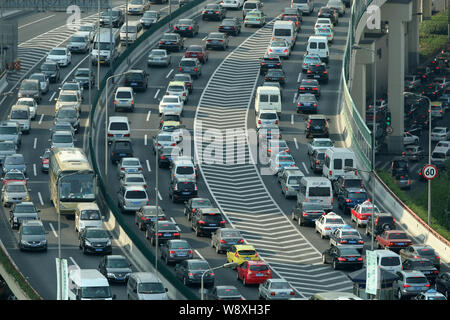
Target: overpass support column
(396, 13)
(427, 7)
(413, 37)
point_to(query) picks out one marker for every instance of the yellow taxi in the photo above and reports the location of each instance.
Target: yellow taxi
(240, 253)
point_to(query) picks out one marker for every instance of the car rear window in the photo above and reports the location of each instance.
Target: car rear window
(352, 183)
(421, 263)
(180, 245)
(263, 98)
(438, 155)
(136, 194)
(247, 252)
(357, 195)
(390, 261)
(211, 217)
(350, 233)
(166, 226)
(123, 95)
(418, 280)
(134, 76)
(201, 203)
(313, 45)
(259, 268)
(322, 45)
(335, 221)
(426, 252)
(122, 145)
(397, 235)
(118, 126)
(268, 116)
(187, 63)
(294, 180)
(319, 191)
(231, 234)
(185, 185)
(382, 220)
(185, 170)
(282, 32)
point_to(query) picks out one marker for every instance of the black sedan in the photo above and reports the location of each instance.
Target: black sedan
(193, 204)
(136, 79)
(182, 189)
(318, 72)
(230, 26)
(147, 215)
(121, 148)
(186, 27)
(213, 12)
(224, 293)
(95, 240)
(217, 40)
(309, 86)
(167, 230)
(423, 265)
(176, 251)
(115, 268)
(342, 257)
(190, 272)
(269, 62)
(307, 213)
(421, 251)
(276, 75)
(307, 103)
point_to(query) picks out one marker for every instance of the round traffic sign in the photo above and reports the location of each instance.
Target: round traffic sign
(389, 130)
(429, 172)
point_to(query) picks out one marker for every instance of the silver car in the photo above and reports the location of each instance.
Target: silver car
(410, 284)
(266, 117)
(78, 42)
(176, 250)
(124, 99)
(223, 238)
(62, 126)
(129, 165)
(15, 161)
(31, 104)
(43, 80)
(133, 179)
(62, 139)
(275, 289)
(163, 139)
(190, 66)
(319, 143)
(14, 192)
(132, 198)
(74, 86)
(159, 57)
(7, 148)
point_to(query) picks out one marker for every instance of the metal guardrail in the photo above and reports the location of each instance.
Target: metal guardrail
(54, 5)
(140, 244)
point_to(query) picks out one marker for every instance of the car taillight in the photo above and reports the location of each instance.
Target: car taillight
(301, 88)
(162, 157)
(236, 255)
(435, 271)
(190, 274)
(190, 28)
(176, 234)
(222, 222)
(360, 241)
(276, 121)
(110, 135)
(161, 42)
(278, 64)
(270, 50)
(360, 259)
(427, 285)
(343, 241)
(348, 200)
(309, 71)
(196, 188)
(222, 241)
(315, 89)
(326, 228)
(272, 293)
(201, 222)
(241, 241)
(317, 161)
(325, 72)
(292, 293)
(406, 286)
(341, 259)
(173, 144)
(305, 214)
(126, 135)
(115, 101)
(171, 251)
(175, 28)
(159, 234)
(437, 257)
(285, 50)
(259, 121)
(175, 188)
(217, 11)
(144, 219)
(315, 105)
(179, 69)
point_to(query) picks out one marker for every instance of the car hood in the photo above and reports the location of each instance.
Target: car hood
(32, 237)
(153, 296)
(16, 194)
(147, 20)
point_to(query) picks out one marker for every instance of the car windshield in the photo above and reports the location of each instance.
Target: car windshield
(24, 208)
(57, 52)
(150, 14)
(62, 138)
(90, 215)
(136, 194)
(319, 191)
(33, 230)
(117, 263)
(96, 233)
(77, 187)
(280, 285)
(118, 126)
(14, 160)
(195, 49)
(82, 73)
(170, 100)
(27, 86)
(68, 98)
(95, 292)
(16, 188)
(67, 113)
(39, 77)
(259, 268)
(390, 261)
(19, 114)
(199, 265)
(151, 288)
(357, 195)
(48, 67)
(77, 39)
(335, 221)
(290, 18)
(398, 235)
(228, 22)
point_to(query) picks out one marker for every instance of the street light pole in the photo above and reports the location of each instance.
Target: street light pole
(429, 160)
(126, 22)
(98, 47)
(226, 265)
(157, 211)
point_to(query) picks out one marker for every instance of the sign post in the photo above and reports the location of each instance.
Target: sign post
(62, 280)
(372, 273)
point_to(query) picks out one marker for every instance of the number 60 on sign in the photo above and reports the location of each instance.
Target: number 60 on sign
(429, 172)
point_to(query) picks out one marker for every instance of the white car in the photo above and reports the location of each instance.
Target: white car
(408, 138)
(124, 99)
(68, 98)
(323, 23)
(319, 143)
(60, 55)
(133, 179)
(31, 103)
(129, 165)
(266, 117)
(75, 86)
(325, 32)
(275, 289)
(279, 47)
(338, 5)
(328, 223)
(361, 213)
(138, 6)
(232, 4)
(61, 139)
(440, 133)
(88, 29)
(178, 88)
(171, 104)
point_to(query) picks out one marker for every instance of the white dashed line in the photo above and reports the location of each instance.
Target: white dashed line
(199, 255)
(148, 115)
(35, 143)
(73, 261)
(35, 21)
(292, 119)
(40, 199)
(156, 94)
(34, 169)
(52, 96)
(299, 79)
(296, 143)
(173, 220)
(295, 98)
(54, 231)
(145, 140)
(306, 169)
(42, 118)
(148, 166)
(170, 72)
(159, 196)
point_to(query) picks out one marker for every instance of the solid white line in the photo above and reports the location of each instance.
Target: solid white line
(156, 94)
(40, 199)
(42, 118)
(145, 140)
(54, 231)
(34, 169)
(73, 261)
(170, 72)
(25, 25)
(292, 119)
(53, 95)
(148, 115)
(199, 255)
(159, 196)
(35, 142)
(173, 220)
(304, 166)
(296, 144)
(74, 68)
(148, 166)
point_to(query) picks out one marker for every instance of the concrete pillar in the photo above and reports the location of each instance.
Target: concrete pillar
(426, 9)
(413, 37)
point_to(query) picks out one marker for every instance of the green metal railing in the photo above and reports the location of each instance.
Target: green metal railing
(110, 202)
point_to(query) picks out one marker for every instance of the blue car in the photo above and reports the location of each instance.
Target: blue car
(351, 197)
(281, 160)
(307, 103)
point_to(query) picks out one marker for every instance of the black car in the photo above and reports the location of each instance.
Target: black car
(121, 148)
(136, 79)
(171, 42)
(307, 103)
(82, 77)
(316, 127)
(115, 268)
(318, 72)
(343, 257)
(117, 18)
(382, 221)
(22, 211)
(269, 62)
(230, 26)
(399, 166)
(296, 12)
(423, 265)
(190, 272)
(421, 251)
(351, 197)
(95, 240)
(51, 70)
(224, 293)
(309, 86)
(342, 183)
(186, 78)
(186, 27)
(146, 215)
(307, 213)
(213, 12)
(167, 230)
(181, 189)
(166, 155)
(403, 181)
(207, 220)
(217, 40)
(192, 205)
(443, 283)
(176, 251)
(276, 75)
(325, 12)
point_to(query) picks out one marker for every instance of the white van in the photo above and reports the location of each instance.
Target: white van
(336, 159)
(318, 45)
(439, 156)
(285, 30)
(88, 284)
(145, 286)
(268, 98)
(316, 190)
(118, 127)
(388, 260)
(21, 115)
(87, 214)
(108, 53)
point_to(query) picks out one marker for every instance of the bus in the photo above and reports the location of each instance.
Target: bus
(71, 179)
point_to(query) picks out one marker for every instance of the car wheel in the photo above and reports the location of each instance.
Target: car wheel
(300, 221)
(166, 260)
(322, 236)
(399, 295)
(324, 260)
(335, 265)
(244, 283)
(84, 250)
(293, 216)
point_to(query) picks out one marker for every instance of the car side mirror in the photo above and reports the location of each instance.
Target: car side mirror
(38, 210)
(114, 297)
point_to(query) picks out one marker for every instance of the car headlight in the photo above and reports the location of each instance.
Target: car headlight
(88, 243)
(23, 242)
(15, 219)
(108, 243)
(110, 274)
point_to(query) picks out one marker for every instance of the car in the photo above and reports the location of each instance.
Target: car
(175, 88)
(78, 43)
(281, 160)
(68, 114)
(206, 221)
(186, 27)
(250, 6)
(166, 155)
(121, 148)
(443, 283)
(173, 128)
(163, 139)
(32, 236)
(273, 84)
(253, 272)
(430, 294)
(68, 98)
(213, 12)
(62, 126)
(129, 165)
(175, 251)
(292, 11)
(51, 70)
(167, 230)
(393, 240)
(232, 4)
(149, 17)
(30, 88)
(403, 181)
(316, 126)
(432, 91)
(338, 5)
(266, 117)
(88, 29)
(275, 289)
(186, 78)
(182, 189)
(309, 86)
(307, 103)
(309, 59)
(87, 214)
(318, 71)
(193, 204)
(414, 153)
(437, 111)
(268, 62)
(171, 104)
(116, 17)
(190, 66)
(361, 212)
(14, 175)
(146, 216)
(124, 99)
(409, 284)
(316, 160)
(192, 271)
(62, 139)
(43, 81)
(14, 162)
(217, 40)
(345, 182)
(158, 57)
(306, 6)
(444, 144)
(239, 253)
(132, 198)
(118, 127)
(115, 268)
(307, 213)
(136, 79)
(10, 131)
(268, 132)
(295, 19)
(230, 26)
(255, 18)
(276, 75)
(45, 160)
(440, 133)
(348, 237)
(325, 14)
(84, 77)
(224, 292)
(325, 32)
(60, 55)
(138, 6)
(277, 146)
(7, 148)
(171, 41)
(319, 143)
(382, 221)
(72, 86)
(197, 51)
(342, 257)
(399, 165)
(21, 115)
(423, 265)
(223, 238)
(95, 240)
(325, 224)
(279, 47)
(22, 211)
(420, 251)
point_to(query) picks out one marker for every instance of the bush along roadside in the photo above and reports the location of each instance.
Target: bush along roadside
(433, 35)
(440, 188)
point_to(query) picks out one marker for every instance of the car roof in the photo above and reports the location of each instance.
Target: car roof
(32, 223)
(385, 253)
(414, 273)
(176, 83)
(118, 119)
(135, 188)
(355, 190)
(257, 262)
(316, 116)
(244, 247)
(145, 277)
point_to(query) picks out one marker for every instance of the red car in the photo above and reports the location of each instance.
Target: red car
(14, 175)
(197, 51)
(253, 272)
(393, 240)
(45, 160)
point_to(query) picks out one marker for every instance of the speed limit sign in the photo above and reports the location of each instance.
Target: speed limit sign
(429, 172)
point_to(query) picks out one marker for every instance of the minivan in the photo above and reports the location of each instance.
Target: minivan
(388, 260)
(336, 160)
(21, 115)
(286, 30)
(268, 98)
(118, 127)
(124, 99)
(145, 286)
(290, 182)
(439, 156)
(306, 6)
(318, 45)
(87, 214)
(316, 190)
(134, 29)
(88, 284)
(30, 88)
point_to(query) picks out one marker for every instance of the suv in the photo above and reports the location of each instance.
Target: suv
(206, 221)
(342, 183)
(318, 71)
(383, 221)
(213, 11)
(10, 131)
(121, 148)
(410, 284)
(117, 18)
(399, 166)
(118, 127)
(182, 189)
(132, 198)
(171, 41)
(32, 236)
(124, 98)
(30, 88)
(316, 126)
(183, 167)
(136, 79)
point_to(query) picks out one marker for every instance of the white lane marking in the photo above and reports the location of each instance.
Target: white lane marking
(54, 231)
(34, 169)
(173, 220)
(306, 169)
(199, 255)
(33, 22)
(73, 261)
(35, 143)
(159, 196)
(52, 96)
(40, 199)
(296, 143)
(145, 140)
(170, 72)
(299, 79)
(73, 69)
(156, 94)
(148, 166)
(42, 118)
(148, 115)
(292, 119)
(295, 98)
